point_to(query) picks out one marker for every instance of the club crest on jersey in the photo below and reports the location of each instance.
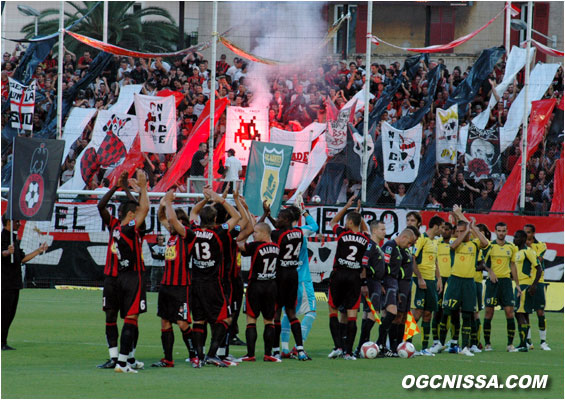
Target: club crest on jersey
(272, 163)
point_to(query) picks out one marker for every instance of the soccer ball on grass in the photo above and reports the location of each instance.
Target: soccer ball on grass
(406, 350)
(369, 350)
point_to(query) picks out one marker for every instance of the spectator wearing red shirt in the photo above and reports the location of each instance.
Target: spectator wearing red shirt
(84, 61)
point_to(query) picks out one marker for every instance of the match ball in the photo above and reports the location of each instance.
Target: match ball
(406, 350)
(316, 199)
(369, 350)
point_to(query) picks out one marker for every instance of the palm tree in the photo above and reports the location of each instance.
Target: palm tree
(150, 29)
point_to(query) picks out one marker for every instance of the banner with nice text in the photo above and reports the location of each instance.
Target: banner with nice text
(244, 125)
(401, 153)
(157, 122)
(447, 125)
(22, 104)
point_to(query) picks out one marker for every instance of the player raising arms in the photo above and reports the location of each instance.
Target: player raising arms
(173, 303)
(261, 293)
(208, 301)
(526, 260)
(539, 301)
(347, 277)
(127, 292)
(501, 258)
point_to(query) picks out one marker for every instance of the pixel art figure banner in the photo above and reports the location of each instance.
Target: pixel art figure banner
(243, 126)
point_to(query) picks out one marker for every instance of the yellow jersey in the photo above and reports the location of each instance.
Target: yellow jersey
(425, 254)
(526, 261)
(466, 257)
(539, 248)
(499, 257)
(444, 257)
(479, 274)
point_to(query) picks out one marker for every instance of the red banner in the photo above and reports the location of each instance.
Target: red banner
(545, 49)
(134, 159)
(539, 118)
(557, 203)
(200, 133)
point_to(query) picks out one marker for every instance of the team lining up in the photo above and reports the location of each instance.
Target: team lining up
(211, 293)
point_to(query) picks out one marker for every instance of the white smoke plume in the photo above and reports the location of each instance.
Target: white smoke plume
(283, 31)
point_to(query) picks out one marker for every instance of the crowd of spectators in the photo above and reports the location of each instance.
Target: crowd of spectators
(299, 97)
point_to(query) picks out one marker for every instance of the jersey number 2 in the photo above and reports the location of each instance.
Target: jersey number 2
(351, 256)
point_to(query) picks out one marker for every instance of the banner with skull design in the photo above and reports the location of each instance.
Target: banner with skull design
(482, 157)
(447, 122)
(401, 153)
(35, 177)
(354, 154)
(112, 137)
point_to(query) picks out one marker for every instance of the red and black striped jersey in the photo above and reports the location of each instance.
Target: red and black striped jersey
(208, 251)
(126, 246)
(111, 266)
(351, 247)
(290, 243)
(264, 259)
(177, 257)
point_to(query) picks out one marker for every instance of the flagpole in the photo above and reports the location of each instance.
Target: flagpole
(60, 72)
(507, 28)
(212, 81)
(525, 117)
(367, 92)
(105, 23)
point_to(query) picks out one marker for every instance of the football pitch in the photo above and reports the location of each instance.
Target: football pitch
(59, 337)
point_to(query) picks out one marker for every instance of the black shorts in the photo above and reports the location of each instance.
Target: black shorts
(207, 301)
(287, 288)
(261, 299)
(237, 294)
(173, 303)
(391, 291)
(125, 293)
(404, 292)
(228, 291)
(375, 295)
(345, 289)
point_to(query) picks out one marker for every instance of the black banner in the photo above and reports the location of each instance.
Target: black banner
(35, 178)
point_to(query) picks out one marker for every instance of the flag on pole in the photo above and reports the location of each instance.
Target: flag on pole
(373, 311)
(35, 178)
(410, 327)
(266, 175)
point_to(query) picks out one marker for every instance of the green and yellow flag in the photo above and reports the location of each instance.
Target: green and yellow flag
(266, 175)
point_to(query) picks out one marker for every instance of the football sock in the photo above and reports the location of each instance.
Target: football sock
(112, 338)
(343, 335)
(198, 339)
(277, 337)
(425, 334)
(131, 358)
(285, 333)
(487, 328)
(523, 329)
(306, 324)
(269, 337)
(478, 325)
(251, 338)
(126, 340)
(296, 331)
(510, 330)
(443, 329)
(385, 327)
(466, 330)
(542, 328)
(334, 330)
(436, 321)
(187, 339)
(396, 335)
(168, 339)
(456, 322)
(474, 335)
(351, 332)
(218, 335)
(366, 327)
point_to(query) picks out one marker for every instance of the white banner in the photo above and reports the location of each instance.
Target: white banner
(318, 158)
(359, 97)
(301, 143)
(336, 135)
(447, 123)
(22, 103)
(540, 79)
(462, 139)
(401, 153)
(125, 99)
(157, 122)
(244, 125)
(77, 121)
(112, 137)
(516, 61)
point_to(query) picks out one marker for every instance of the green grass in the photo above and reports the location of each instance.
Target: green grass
(59, 336)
